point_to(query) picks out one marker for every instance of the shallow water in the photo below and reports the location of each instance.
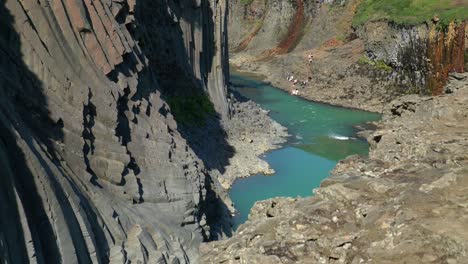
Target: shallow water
(321, 135)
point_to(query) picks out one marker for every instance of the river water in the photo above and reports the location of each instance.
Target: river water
(321, 135)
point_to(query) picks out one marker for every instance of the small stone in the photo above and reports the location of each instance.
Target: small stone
(451, 261)
(457, 76)
(300, 227)
(429, 258)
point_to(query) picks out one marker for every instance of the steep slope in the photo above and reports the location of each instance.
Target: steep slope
(94, 168)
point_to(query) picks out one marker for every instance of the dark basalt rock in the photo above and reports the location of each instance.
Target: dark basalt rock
(84, 146)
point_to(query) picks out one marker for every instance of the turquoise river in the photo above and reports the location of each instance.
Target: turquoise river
(321, 135)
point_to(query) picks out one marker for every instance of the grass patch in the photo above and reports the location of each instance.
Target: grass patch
(410, 12)
(191, 110)
(341, 38)
(380, 64)
(246, 2)
(364, 61)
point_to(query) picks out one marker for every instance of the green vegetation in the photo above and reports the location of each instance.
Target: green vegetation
(341, 38)
(192, 110)
(246, 2)
(411, 12)
(380, 64)
(364, 61)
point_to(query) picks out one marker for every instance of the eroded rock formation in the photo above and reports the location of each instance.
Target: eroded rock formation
(94, 168)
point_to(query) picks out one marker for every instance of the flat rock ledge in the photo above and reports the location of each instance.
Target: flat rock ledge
(405, 203)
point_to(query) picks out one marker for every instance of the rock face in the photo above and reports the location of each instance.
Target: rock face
(267, 28)
(405, 203)
(94, 167)
(423, 55)
(307, 27)
(364, 67)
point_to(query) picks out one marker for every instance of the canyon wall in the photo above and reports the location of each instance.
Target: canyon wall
(422, 56)
(363, 66)
(94, 168)
(267, 28)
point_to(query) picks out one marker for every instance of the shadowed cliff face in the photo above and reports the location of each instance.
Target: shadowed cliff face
(185, 42)
(93, 166)
(187, 48)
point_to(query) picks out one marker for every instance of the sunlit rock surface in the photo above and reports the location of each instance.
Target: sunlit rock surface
(406, 202)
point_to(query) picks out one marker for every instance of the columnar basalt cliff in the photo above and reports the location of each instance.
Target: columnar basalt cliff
(94, 168)
(186, 43)
(421, 56)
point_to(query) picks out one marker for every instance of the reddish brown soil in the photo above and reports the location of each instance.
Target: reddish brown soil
(251, 15)
(332, 43)
(243, 45)
(292, 37)
(458, 52)
(445, 58)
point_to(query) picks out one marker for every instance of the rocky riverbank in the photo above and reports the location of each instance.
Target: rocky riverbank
(334, 76)
(406, 202)
(231, 148)
(251, 132)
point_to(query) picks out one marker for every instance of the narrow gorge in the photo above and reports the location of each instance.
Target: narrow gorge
(124, 131)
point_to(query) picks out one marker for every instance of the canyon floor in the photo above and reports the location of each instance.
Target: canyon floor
(405, 203)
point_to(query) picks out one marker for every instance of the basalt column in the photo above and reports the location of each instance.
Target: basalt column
(93, 166)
